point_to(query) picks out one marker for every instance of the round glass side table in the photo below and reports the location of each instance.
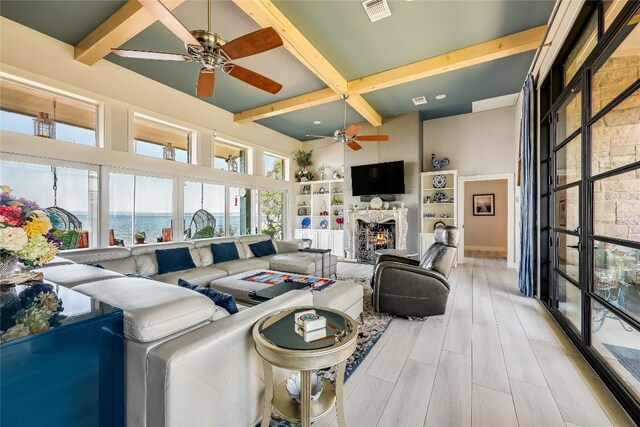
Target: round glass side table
(280, 343)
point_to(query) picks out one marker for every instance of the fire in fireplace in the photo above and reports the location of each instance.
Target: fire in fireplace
(373, 237)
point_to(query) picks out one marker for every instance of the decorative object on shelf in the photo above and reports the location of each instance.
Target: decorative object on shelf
(445, 215)
(401, 205)
(306, 190)
(304, 160)
(169, 152)
(324, 224)
(140, 237)
(438, 164)
(439, 197)
(428, 215)
(306, 222)
(303, 211)
(24, 234)
(427, 199)
(336, 201)
(321, 170)
(439, 224)
(385, 205)
(337, 175)
(293, 386)
(484, 204)
(439, 181)
(321, 190)
(376, 203)
(340, 221)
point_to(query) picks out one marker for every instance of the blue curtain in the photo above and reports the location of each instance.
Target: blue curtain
(525, 280)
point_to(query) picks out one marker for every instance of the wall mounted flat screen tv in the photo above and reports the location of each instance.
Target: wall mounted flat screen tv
(378, 179)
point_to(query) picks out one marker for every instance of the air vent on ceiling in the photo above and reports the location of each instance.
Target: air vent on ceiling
(419, 100)
(376, 9)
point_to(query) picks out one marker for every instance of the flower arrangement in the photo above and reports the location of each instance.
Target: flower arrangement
(24, 231)
(39, 310)
(303, 159)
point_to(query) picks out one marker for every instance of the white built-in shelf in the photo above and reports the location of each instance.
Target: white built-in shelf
(438, 189)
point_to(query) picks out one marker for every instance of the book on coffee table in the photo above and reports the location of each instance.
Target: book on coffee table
(275, 290)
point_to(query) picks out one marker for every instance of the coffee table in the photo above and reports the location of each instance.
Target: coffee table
(279, 345)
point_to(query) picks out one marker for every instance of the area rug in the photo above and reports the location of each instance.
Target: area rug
(629, 358)
(370, 328)
(274, 278)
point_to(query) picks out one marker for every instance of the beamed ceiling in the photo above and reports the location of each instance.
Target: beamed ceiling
(468, 50)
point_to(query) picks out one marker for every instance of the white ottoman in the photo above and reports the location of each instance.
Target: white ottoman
(344, 295)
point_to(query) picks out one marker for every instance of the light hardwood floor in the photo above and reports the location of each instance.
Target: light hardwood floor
(494, 358)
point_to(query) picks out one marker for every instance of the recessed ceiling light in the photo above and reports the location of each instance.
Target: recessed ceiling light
(443, 96)
(317, 122)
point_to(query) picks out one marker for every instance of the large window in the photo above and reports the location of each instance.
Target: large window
(274, 166)
(240, 203)
(32, 110)
(137, 205)
(590, 193)
(229, 157)
(204, 210)
(71, 189)
(160, 140)
(272, 213)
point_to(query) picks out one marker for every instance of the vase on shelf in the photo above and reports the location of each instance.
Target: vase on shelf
(8, 266)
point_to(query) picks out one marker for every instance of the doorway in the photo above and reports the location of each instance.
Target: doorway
(486, 211)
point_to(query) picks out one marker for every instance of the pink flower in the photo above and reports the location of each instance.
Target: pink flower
(11, 215)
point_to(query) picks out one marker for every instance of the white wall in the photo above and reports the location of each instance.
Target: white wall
(325, 152)
(476, 143)
(121, 92)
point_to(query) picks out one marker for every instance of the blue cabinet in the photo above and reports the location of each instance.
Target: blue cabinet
(71, 374)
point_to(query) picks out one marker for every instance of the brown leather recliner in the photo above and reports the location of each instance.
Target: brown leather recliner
(407, 287)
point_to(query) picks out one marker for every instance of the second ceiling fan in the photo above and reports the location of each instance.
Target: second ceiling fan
(211, 50)
(349, 135)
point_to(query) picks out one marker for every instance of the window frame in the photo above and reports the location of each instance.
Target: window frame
(191, 136)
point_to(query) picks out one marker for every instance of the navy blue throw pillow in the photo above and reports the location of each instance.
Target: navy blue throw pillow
(170, 260)
(221, 299)
(224, 252)
(263, 248)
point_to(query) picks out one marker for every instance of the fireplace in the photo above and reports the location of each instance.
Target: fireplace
(372, 237)
(373, 229)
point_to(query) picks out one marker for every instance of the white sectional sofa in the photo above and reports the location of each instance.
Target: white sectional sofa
(188, 362)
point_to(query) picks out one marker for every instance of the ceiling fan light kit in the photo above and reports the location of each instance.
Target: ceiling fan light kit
(211, 50)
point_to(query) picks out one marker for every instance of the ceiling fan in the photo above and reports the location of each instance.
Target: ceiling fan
(211, 50)
(349, 135)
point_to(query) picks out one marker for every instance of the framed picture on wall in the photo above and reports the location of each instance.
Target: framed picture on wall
(484, 204)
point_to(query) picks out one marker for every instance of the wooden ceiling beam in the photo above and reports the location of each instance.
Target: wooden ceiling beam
(266, 14)
(125, 23)
(307, 100)
(491, 50)
(502, 47)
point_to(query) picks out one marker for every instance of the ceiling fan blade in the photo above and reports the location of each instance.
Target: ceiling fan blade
(320, 136)
(150, 54)
(352, 130)
(167, 18)
(372, 138)
(253, 78)
(206, 81)
(354, 145)
(252, 43)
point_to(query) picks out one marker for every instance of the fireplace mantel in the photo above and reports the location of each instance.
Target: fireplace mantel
(379, 217)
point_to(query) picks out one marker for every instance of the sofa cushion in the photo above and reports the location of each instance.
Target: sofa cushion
(220, 299)
(245, 241)
(233, 267)
(295, 262)
(71, 275)
(200, 276)
(223, 252)
(175, 259)
(203, 246)
(264, 248)
(121, 265)
(152, 310)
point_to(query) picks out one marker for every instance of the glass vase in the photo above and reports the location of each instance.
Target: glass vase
(8, 266)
